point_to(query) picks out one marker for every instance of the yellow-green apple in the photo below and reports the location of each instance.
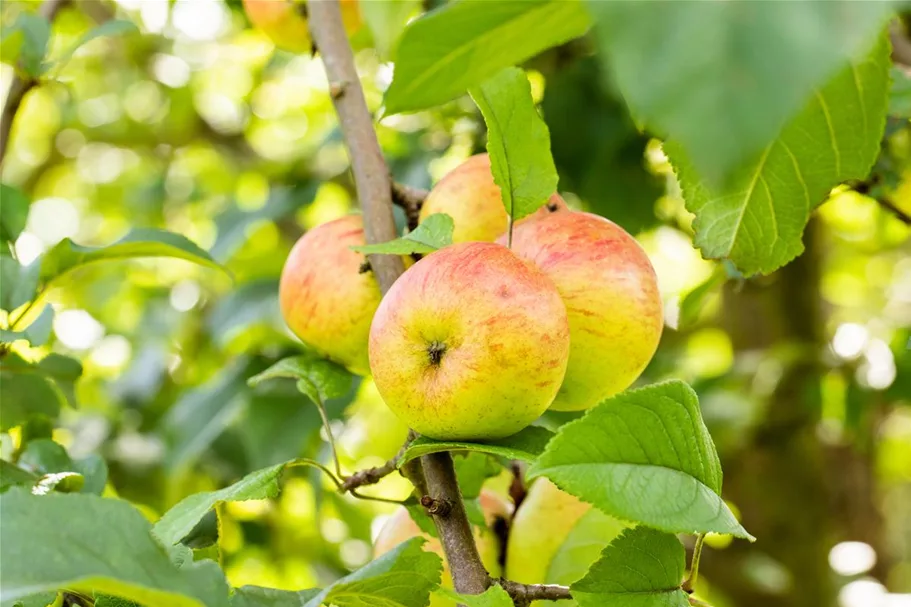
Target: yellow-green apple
(328, 294)
(611, 294)
(401, 527)
(469, 195)
(284, 21)
(555, 537)
(470, 343)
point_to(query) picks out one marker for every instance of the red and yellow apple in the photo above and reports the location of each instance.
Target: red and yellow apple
(470, 343)
(285, 23)
(611, 294)
(400, 527)
(469, 195)
(328, 294)
(555, 537)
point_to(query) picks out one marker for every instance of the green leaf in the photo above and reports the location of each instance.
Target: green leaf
(112, 27)
(107, 548)
(318, 378)
(64, 482)
(18, 283)
(387, 21)
(518, 142)
(641, 568)
(35, 388)
(722, 78)
(256, 596)
(582, 546)
(644, 456)
(13, 213)
(900, 96)
(12, 475)
(36, 32)
(472, 470)
(757, 220)
(433, 233)
(145, 242)
(693, 302)
(46, 457)
(37, 333)
(525, 445)
(113, 601)
(494, 596)
(180, 520)
(449, 50)
(403, 577)
(43, 599)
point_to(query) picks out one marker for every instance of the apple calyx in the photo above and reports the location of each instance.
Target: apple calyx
(435, 351)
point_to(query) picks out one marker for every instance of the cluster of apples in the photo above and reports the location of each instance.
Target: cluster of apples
(476, 340)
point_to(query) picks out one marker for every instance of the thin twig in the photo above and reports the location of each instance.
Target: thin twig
(411, 200)
(689, 584)
(329, 438)
(22, 85)
(372, 476)
(306, 461)
(899, 214)
(374, 188)
(526, 593)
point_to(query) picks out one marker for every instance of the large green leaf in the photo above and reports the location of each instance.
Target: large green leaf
(180, 520)
(87, 543)
(318, 378)
(641, 568)
(518, 142)
(256, 596)
(441, 55)
(433, 233)
(758, 218)
(403, 577)
(644, 456)
(13, 213)
(145, 242)
(582, 546)
(525, 445)
(722, 78)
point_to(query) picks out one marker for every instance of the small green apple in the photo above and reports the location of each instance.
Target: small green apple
(611, 294)
(555, 537)
(401, 527)
(328, 294)
(469, 195)
(470, 343)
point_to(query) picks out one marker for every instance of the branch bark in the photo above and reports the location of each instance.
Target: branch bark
(411, 200)
(371, 177)
(372, 476)
(523, 594)
(20, 86)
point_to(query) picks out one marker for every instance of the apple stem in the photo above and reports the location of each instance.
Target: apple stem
(435, 475)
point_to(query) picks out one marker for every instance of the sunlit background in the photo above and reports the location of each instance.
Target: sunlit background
(201, 126)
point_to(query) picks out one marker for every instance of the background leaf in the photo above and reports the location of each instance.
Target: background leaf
(132, 565)
(142, 242)
(387, 21)
(643, 456)
(256, 596)
(642, 567)
(494, 596)
(757, 219)
(722, 78)
(518, 142)
(318, 378)
(111, 27)
(525, 445)
(20, 283)
(37, 333)
(13, 213)
(433, 233)
(447, 51)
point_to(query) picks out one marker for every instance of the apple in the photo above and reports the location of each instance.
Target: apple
(469, 195)
(555, 537)
(401, 527)
(328, 294)
(611, 294)
(285, 22)
(470, 343)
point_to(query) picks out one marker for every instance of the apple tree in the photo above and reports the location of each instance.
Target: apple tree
(534, 411)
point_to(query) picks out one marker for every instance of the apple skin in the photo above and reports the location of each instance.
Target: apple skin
(469, 195)
(541, 527)
(470, 343)
(401, 527)
(326, 298)
(284, 23)
(611, 294)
